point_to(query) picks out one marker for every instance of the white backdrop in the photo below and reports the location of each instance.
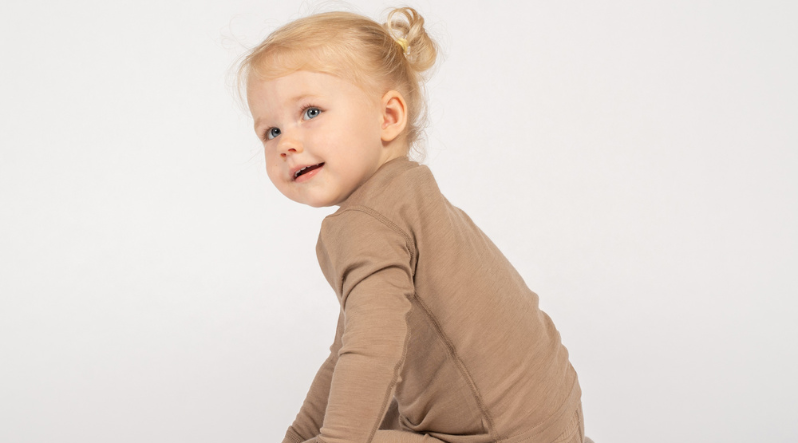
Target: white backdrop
(636, 161)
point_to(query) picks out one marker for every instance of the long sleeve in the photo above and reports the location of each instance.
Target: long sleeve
(369, 262)
(311, 416)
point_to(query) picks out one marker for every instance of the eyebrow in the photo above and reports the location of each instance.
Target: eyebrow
(293, 99)
(303, 96)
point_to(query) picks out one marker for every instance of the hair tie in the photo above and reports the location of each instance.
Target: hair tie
(403, 43)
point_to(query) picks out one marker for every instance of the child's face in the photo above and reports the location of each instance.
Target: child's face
(308, 119)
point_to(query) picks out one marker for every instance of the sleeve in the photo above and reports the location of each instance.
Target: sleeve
(373, 273)
(311, 415)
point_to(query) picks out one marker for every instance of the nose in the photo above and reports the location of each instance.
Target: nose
(288, 144)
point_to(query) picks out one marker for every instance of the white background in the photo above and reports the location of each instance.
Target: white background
(636, 161)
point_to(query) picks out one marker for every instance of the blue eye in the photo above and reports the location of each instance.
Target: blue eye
(311, 113)
(272, 132)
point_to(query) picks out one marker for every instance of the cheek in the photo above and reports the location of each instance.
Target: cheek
(272, 158)
(274, 173)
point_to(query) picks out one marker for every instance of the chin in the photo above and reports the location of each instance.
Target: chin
(317, 205)
(314, 203)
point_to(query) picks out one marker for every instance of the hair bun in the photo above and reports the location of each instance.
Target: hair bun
(408, 25)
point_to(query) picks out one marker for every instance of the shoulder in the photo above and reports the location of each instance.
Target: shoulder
(359, 242)
(356, 229)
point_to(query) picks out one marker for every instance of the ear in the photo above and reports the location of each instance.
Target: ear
(394, 116)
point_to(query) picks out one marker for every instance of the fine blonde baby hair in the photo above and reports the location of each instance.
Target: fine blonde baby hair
(375, 57)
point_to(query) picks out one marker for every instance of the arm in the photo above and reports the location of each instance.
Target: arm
(368, 262)
(310, 417)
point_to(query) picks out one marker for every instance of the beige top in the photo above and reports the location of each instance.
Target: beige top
(435, 321)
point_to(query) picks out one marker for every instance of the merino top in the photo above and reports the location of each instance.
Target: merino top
(437, 333)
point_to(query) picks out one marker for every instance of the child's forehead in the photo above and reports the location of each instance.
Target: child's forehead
(293, 87)
(300, 85)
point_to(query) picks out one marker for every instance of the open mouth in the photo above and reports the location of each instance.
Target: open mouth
(307, 169)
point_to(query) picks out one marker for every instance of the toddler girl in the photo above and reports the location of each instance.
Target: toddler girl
(438, 337)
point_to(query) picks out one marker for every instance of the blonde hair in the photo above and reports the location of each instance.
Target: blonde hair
(357, 49)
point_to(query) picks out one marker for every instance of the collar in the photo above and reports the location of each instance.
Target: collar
(378, 182)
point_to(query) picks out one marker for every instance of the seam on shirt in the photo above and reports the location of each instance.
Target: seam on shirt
(463, 370)
(384, 220)
(386, 399)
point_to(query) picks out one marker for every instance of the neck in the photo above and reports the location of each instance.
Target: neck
(394, 149)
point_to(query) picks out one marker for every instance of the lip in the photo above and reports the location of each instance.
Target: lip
(298, 167)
